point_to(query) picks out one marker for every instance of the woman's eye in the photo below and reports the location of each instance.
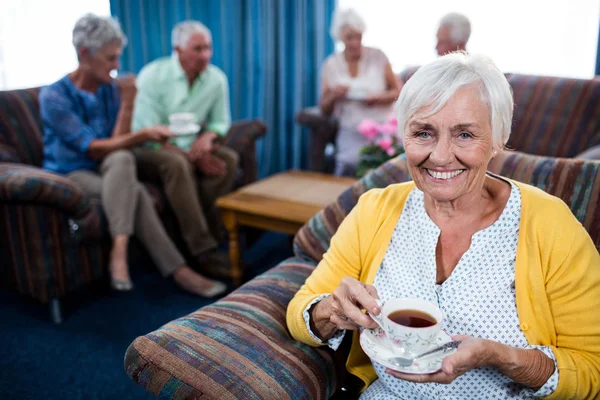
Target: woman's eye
(423, 135)
(464, 135)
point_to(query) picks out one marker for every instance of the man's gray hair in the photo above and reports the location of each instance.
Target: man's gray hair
(435, 83)
(460, 27)
(182, 32)
(349, 18)
(94, 32)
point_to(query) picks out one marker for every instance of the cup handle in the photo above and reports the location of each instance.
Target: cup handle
(378, 318)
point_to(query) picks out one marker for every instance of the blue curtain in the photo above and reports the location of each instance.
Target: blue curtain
(271, 51)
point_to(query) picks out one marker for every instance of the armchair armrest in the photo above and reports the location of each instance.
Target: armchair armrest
(242, 138)
(323, 130)
(8, 153)
(21, 183)
(238, 347)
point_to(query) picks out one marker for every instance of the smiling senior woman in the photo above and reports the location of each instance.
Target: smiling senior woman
(515, 274)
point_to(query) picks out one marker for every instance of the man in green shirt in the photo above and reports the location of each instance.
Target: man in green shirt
(194, 169)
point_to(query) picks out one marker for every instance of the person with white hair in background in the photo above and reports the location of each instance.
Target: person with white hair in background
(453, 33)
(356, 84)
(194, 169)
(87, 138)
(515, 274)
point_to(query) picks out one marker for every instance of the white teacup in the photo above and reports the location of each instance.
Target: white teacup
(181, 120)
(408, 340)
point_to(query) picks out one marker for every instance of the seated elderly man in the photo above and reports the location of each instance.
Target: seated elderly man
(513, 273)
(87, 138)
(453, 33)
(193, 168)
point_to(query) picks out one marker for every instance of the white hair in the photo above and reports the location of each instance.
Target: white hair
(349, 18)
(460, 27)
(94, 32)
(435, 83)
(183, 31)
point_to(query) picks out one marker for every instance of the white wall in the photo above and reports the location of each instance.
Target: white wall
(35, 39)
(542, 37)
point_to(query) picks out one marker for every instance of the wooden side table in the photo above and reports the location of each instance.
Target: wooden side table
(283, 203)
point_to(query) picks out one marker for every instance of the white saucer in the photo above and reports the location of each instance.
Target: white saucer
(190, 129)
(378, 349)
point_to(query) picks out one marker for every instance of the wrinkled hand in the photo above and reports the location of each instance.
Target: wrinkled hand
(344, 306)
(158, 133)
(339, 91)
(203, 145)
(210, 164)
(127, 89)
(471, 354)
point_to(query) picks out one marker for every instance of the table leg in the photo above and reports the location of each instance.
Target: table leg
(231, 224)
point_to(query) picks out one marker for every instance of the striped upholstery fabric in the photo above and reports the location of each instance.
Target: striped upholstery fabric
(239, 347)
(53, 238)
(553, 116)
(21, 127)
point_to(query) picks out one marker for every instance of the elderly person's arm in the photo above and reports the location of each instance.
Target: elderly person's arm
(127, 92)
(148, 108)
(331, 299)
(57, 114)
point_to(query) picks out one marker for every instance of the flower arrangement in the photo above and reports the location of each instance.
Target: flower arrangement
(385, 143)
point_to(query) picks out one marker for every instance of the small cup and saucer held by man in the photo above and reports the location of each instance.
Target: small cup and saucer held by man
(190, 95)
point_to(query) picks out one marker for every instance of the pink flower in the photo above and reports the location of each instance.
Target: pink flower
(393, 121)
(386, 144)
(369, 129)
(391, 151)
(389, 128)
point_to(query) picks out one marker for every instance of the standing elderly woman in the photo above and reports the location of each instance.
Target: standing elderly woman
(357, 84)
(87, 119)
(515, 274)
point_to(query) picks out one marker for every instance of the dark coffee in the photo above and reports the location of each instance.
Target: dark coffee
(412, 318)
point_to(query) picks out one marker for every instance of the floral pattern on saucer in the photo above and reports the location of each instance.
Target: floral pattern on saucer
(374, 343)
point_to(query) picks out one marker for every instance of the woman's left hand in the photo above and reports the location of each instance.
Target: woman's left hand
(471, 354)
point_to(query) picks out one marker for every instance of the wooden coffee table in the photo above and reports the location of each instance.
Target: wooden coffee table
(283, 203)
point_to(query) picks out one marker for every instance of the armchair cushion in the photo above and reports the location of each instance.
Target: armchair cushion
(24, 184)
(237, 348)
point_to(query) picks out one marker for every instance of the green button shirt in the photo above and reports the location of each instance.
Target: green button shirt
(163, 89)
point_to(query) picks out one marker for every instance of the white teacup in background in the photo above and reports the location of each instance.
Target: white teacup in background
(183, 124)
(406, 340)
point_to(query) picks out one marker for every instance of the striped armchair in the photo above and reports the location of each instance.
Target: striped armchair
(553, 116)
(240, 348)
(53, 238)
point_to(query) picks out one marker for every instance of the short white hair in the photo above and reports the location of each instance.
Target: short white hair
(94, 32)
(349, 18)
(435, 83)
(460, 27)
(183, 31)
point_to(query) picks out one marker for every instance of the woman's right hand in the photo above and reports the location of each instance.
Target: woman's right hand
(343, 309)
(157, 133)
(338, 92)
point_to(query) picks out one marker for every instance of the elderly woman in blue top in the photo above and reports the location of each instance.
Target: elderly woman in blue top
(87, 119)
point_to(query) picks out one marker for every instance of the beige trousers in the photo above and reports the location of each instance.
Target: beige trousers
(192, 196)
(129, 208)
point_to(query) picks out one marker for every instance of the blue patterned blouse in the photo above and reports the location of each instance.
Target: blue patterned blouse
(72, 119)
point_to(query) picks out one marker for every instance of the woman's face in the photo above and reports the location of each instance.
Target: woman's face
(352, 40)
(100, 64)
(448, 152)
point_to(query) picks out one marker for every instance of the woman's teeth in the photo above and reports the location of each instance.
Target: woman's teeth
(444, 175)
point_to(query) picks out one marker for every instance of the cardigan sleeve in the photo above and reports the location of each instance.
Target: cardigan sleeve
(573, 292)
(344, 258)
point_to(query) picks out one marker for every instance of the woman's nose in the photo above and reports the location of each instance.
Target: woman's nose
(442, 153)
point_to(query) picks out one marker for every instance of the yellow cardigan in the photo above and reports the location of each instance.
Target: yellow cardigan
(557, 278)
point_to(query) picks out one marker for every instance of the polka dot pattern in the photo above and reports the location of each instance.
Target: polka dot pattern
(477, 299)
